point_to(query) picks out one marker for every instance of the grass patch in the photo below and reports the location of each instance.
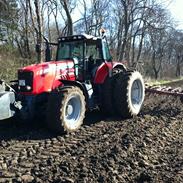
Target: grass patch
(163, 81)
(10, 62)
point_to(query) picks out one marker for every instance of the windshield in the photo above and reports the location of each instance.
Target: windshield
(70, 50)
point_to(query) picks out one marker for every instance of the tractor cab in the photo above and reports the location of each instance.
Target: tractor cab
(87, 52)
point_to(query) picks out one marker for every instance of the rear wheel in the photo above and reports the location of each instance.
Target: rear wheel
(107, 93)
(66, 109)
(106, 105)
(129, 92)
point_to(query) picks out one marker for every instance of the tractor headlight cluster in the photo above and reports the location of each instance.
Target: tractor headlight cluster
(25, 81)
(28, 88)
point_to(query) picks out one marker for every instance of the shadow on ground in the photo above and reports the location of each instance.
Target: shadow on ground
(14, 129)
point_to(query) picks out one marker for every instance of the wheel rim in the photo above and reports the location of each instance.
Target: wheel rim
(137, 94)
(73, 111)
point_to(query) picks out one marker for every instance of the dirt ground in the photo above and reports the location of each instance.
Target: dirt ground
(147, 148)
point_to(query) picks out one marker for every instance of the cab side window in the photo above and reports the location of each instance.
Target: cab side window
(92, 50)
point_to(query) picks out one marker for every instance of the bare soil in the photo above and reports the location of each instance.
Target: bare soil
(147, 148)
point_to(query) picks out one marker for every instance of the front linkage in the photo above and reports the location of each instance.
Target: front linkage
(12, 103)
(8, 104)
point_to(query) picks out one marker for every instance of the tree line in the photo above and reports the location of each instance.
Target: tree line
(140, 32)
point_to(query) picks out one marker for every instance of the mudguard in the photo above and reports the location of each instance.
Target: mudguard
(105, 69)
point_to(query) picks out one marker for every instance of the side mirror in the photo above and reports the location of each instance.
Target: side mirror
(38, 48)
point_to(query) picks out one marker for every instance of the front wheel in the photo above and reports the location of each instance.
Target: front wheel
(66, 109)
(129, 93)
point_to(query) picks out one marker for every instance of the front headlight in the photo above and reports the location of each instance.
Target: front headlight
(25, 81)
(28, 88)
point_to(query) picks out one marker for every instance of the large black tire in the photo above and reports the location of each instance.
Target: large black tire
(107, 106)
(66, 109)
(129, 93)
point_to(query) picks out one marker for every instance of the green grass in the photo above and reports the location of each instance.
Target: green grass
(163, 81)
(10, 62)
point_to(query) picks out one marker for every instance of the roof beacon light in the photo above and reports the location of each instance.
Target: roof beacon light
(102, 31)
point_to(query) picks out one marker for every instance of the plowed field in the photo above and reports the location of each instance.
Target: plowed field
(147, 148)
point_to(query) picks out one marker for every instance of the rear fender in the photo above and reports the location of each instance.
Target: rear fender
(105, 69)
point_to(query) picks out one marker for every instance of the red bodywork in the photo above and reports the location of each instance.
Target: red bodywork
(47, 76)
(104, 69)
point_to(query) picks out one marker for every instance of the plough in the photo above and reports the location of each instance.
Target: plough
(164, 90)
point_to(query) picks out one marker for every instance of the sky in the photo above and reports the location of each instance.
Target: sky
(176, 9)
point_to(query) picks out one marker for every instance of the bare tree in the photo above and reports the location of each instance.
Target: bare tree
(67, 8)
(94, 14)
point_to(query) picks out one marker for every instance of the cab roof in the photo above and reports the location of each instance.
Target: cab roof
(79, 37)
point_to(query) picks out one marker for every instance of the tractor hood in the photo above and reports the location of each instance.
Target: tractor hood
(44, 77)
(36, 66)
(48, 66)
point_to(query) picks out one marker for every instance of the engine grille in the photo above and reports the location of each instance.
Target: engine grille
(28, 77)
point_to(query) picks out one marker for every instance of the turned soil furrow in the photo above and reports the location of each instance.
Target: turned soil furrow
(147, 148)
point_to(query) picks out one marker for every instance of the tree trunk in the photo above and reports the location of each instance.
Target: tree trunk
(178, 67)
(39, 35)
(69, 18)
(140, 46)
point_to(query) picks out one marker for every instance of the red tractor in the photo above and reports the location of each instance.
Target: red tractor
(82, 77)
